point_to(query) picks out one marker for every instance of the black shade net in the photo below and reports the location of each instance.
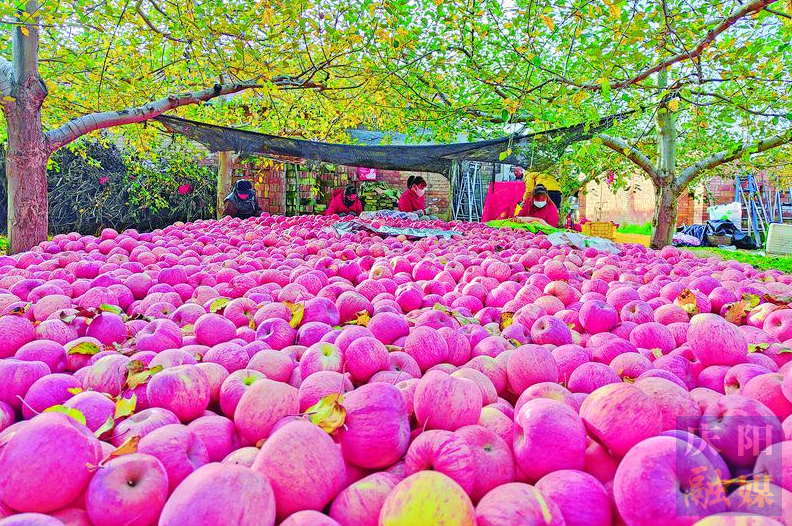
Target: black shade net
(534, 151)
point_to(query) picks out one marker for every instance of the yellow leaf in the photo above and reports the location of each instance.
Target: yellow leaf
(687, 300)
(9, 98)
(75, 390)
(362, 319)
(24, 31)
(328, 413)
(673, 104)
(129, 446)
(547, 21)
(751, 300)
(614, 10)
(298, 311)
(125, 406)
(506, 319)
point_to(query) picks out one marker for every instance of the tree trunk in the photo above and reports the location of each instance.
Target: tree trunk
(223, 181)
(665, 214)
(28, 151)
(666, 192)
(26, 173)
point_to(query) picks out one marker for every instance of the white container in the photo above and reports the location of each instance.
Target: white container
(730, 212)
(779, 239)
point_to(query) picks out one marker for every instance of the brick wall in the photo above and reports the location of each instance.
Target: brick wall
(637, 206)
(437, 189)
(284, 189)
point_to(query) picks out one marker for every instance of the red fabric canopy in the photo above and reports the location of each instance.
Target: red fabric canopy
(502, 199)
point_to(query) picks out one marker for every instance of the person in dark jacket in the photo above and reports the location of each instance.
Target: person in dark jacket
(241, 202)
(345, 202)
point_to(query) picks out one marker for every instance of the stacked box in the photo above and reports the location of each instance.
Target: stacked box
(374, 196)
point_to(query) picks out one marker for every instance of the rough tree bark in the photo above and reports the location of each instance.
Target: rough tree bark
(666, 192)
(26, 162)
(665, 215)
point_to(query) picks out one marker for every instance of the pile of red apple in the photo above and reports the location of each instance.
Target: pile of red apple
(268, 372)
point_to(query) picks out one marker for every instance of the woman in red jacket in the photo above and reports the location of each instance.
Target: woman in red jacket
(345, 202)
(413, 199)
(540, 208)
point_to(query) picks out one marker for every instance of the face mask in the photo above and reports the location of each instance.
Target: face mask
(420, 191)
(540, 204)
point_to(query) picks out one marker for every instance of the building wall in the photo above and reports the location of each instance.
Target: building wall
(437, 186)
(284, 189)
(636, 206)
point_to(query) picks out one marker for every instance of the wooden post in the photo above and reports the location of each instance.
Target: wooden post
(223, 181)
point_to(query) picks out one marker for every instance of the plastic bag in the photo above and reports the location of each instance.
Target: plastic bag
(579, 241)
(685, 240)
(729, 212)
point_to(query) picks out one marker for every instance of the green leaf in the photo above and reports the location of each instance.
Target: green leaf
(606, 88)
(104, 428)
(218, 305)
(125, 406)
(757, 347)
(138, 373)
(85, 348)
(105, 307)
(76, 414)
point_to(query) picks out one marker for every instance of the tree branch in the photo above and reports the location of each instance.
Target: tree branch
(72, 130)
(779, 13)
(725, 156)
(6, 78)
(727, 100)
(745, 10)
(147, 21)
(631, 152)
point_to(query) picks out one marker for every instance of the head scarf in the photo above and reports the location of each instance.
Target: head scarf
(350, 195)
